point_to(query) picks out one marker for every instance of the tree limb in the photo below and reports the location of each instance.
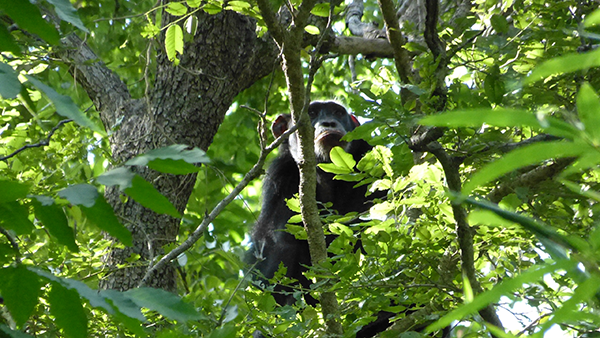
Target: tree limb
(41, 143)
(396, 39)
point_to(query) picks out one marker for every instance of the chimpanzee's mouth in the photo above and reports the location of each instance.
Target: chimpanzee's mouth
(329, 136)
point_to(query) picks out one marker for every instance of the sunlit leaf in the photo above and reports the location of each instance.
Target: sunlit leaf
(174, 42)
(521, 157)
(501, 118)
(313, 30)
(176, 9)
(565, 64)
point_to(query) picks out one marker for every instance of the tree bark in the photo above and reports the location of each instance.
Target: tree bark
(186, 105)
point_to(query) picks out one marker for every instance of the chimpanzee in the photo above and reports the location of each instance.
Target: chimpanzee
(331, 122)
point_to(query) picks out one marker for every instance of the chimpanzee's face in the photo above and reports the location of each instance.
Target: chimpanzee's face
(331, 122)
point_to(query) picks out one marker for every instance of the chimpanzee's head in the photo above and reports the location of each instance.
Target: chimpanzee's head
(331, 122)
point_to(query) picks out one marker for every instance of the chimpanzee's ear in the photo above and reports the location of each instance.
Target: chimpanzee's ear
(354, 120)
(280, 125)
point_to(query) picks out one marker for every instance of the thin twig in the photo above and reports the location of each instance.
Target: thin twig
(41, 143)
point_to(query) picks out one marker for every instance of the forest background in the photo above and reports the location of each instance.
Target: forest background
(134, 133)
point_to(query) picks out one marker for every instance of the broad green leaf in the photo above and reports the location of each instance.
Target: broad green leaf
(20, 289)
(321, 10)
(499, 23)
(92, 296)
(501, 118)
(123, 303)
(194, 3)
(313, 30)
(174, 42)
(163, 302)
(176, 9)
(238, 6)
(15, 217)
(65, 11)
(341, 158)
(65, 106)
(96, 210)
(482, 300)
(103, 216)
(53, 218)
(12, 190)
(212, 8)
(494, 85)
(564, 64)
(80, 194)
(334, 169)
(10, 86)
(592, 19)
(7, 43)
(588, 108)
(174, 159)
(145, 194)
(121, 176)
(29, 18)
(521, 157)
(65, 306)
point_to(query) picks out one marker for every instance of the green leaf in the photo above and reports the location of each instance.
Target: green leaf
(333, 168)
(174, 42)
(12, 190)
(20, 290)
(96, 210)
(103, 216)
(501, 118)
(499, 23)
(592, 19)
(313, 30)
(29, 18)
(7, 43)
(176, 9)
(121, 176)
(238, 6)
(321, 10)
(342, 159)
(10, 86)
(92, 296)
(492, 296)
(174, 159)
(194, 3)
(163, 302)
(15, 217)
(494, 86)
(212, 8)
(80, 194)
(53, 218)
(66, 12)
(65, 106)
(521, 157)
(588, 108)
(226, 331)
(564, 64)
(145, 194)
(65, 306)
(124, 304)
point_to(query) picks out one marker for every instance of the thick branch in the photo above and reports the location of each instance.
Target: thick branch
(396, 39)
(464, 232)
(529, 179)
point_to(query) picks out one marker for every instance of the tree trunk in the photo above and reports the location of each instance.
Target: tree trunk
(186, 105)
